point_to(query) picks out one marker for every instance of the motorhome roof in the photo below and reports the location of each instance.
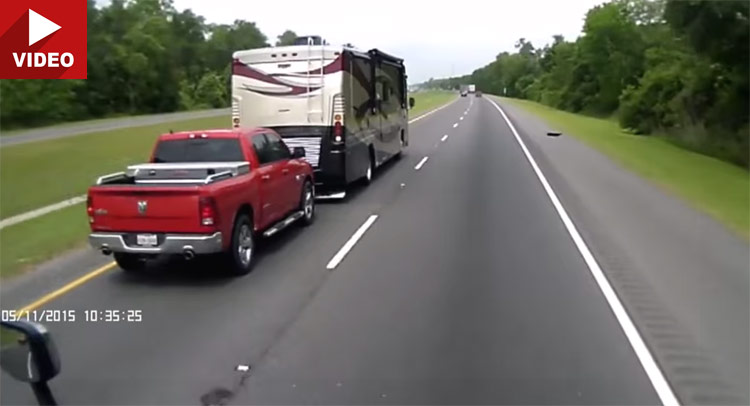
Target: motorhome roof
(293, 50)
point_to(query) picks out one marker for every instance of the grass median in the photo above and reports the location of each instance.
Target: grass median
(711, 185)
(41, 173)
(426, 101)
(37, 240)
(37, 174)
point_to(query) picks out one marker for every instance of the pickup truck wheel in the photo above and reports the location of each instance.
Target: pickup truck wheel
(129, 262)
(242, 249)
(307, 203)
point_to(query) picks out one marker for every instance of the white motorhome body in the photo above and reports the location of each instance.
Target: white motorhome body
(347, 108)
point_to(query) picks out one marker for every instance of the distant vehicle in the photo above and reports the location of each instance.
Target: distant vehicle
(203, 192)
(478, 93)
(472, 88)
(464, 93)
(347, 108)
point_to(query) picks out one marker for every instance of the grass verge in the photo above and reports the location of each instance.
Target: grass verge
(711, 185)
(426, 101)
(41, 173)
(25, 244)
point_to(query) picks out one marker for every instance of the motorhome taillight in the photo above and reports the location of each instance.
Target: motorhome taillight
(207, 211)
(338, 132)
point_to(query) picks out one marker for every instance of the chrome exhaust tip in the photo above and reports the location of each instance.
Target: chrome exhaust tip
(188, 254)
(106, 251)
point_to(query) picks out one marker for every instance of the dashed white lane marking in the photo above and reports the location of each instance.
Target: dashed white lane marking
(455, 125)
(421, 163)
(461, 118)
(336, 260)
(445, 137)
(655, 375)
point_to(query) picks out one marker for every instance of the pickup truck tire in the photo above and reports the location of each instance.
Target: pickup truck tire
(307, 204)
(130, 262)
(242, 250)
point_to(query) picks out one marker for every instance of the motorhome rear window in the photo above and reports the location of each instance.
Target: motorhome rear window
(199, 150)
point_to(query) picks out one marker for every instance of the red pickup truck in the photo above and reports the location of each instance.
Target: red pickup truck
(203, 192)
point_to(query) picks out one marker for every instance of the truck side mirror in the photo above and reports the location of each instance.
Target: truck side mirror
(28, 354)
(298, 152)
(411, 102)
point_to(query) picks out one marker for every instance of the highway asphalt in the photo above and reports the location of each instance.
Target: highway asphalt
(466, 288)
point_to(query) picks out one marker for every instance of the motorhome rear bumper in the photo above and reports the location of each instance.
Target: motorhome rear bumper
(166, 243)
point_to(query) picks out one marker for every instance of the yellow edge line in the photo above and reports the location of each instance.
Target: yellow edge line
(67, 288)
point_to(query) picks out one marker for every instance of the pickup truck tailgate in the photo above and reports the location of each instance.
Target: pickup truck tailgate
(146, 209)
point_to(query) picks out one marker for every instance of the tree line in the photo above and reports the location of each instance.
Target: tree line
(144, 56)
(677, 68)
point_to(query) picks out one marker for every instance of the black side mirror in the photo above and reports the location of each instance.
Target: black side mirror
(411, 102)
(298, 152)
(28, 354)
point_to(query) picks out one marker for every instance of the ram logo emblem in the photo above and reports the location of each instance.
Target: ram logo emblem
(142, 206)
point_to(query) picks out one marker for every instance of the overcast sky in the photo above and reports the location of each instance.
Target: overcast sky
(435, 39)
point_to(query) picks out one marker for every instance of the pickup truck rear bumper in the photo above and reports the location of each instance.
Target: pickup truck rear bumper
(166, 243)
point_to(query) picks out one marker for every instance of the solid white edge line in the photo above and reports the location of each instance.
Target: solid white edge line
(655, 375)
(421, 163)
(445, 137)
(41, 211)
(455, 125)
(336, 260)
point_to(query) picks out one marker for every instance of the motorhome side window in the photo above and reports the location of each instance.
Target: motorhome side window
(380, 90)
(391, 88)
(361, 82)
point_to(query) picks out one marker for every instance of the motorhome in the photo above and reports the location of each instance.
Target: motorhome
(347, 108)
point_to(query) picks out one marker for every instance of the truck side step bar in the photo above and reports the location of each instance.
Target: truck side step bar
(330, 196)
(283, 223)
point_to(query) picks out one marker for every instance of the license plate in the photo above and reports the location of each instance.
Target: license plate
(146, 239)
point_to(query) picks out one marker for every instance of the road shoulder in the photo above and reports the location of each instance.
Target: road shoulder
(682, 275)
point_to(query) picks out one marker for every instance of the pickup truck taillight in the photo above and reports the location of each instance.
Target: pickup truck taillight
(207, 211)
(90, 209)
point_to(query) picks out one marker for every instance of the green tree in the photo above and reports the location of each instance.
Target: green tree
(144, 56)
(287, 38)
(674, 67)
(612, 49)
